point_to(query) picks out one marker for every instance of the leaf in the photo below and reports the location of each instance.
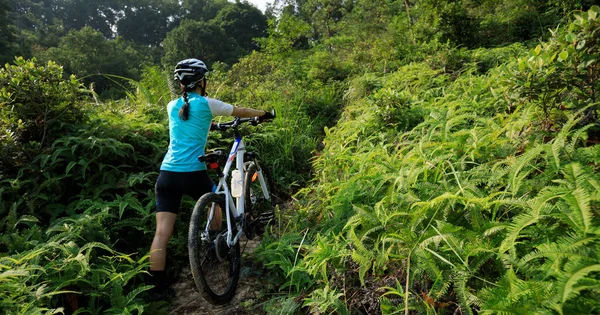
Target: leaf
(91, 245)
(579, 202)
(133, 294)
(12, 273)
(569, 286)
(526, 162)
(26, 218)
(592, 14)
(586, 63)
(563, 55)
(69, 167)
(440, 257)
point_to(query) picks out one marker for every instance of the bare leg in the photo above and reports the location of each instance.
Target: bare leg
(165, 222)
(217, 220)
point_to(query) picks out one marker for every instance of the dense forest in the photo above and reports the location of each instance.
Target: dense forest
(430, 156)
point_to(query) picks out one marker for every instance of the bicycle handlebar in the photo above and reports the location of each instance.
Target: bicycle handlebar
(239, 121)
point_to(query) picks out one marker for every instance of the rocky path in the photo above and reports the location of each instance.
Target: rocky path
(189, 302)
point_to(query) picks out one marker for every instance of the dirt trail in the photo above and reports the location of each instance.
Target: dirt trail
(188, 301)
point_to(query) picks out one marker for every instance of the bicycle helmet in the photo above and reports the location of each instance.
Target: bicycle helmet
(189, 71)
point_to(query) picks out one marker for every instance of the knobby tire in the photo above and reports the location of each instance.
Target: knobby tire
(255, 203)
(215, 268)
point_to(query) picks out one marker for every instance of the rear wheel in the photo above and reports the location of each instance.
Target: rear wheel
(260, 209)
(215, 266)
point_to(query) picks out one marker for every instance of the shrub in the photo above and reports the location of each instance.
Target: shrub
(564, 73)
(37, 104)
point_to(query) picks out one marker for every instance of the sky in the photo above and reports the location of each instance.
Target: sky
(260, 4)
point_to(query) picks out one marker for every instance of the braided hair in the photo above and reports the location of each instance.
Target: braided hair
(184, 112)
(189, 73)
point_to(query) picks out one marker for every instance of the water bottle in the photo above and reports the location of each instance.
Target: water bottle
(236, 183)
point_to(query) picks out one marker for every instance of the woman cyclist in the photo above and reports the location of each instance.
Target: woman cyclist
(190, 118)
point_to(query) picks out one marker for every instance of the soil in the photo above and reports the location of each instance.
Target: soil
(188, 301)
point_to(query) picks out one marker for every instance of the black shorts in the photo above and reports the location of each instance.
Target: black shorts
(171, 186)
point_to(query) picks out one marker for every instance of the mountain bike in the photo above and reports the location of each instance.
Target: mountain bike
(221, 217)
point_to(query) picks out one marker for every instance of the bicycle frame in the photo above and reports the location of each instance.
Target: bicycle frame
(235, 209)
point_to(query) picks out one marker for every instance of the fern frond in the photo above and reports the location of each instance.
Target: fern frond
(579, 211)
(577, 136)
(570, 283)
(559, 141)
(520, 222)
(517, 175)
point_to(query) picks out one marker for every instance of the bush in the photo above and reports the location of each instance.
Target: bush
(564, 73)
(37, 105)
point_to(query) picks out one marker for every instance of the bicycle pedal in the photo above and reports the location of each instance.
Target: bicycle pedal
(265, 217)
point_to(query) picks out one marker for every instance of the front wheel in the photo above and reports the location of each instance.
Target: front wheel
(258, 200)
(215, 266)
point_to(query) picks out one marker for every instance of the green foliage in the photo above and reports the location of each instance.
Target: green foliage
(281, 258)
(286, 33)
(244, 23)
(146, 22)
(36, 105)
(202, 40)
(301, 104)
(426, 176)
(438, 193)
(325, 15)
(7, 31)
(152, 93)
(57, 271)
(563, 73)
(456, 25)
(104, 38)
(201, 9)
(325, 67)
(326, 301)
(76, 203)
(96, 61)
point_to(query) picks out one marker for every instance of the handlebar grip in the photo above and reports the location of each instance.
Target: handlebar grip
(268, 116)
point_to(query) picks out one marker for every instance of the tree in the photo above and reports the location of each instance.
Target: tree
(287, 33)
(7, 34)
(200, 10)
(243, 22)
(147, 22)
(99, 15)
(39, 15)
(325, 15)
(202, 40)
(87, 54)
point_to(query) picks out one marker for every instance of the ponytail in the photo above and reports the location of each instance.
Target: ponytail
(184, 112)
(204, 88)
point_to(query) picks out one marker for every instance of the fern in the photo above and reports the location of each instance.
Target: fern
(572, 282)
(517, 175)
(326, 301)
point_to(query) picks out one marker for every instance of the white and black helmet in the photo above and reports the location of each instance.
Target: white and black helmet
(189, 71)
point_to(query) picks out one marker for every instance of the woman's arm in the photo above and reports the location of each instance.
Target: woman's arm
(244, 112)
